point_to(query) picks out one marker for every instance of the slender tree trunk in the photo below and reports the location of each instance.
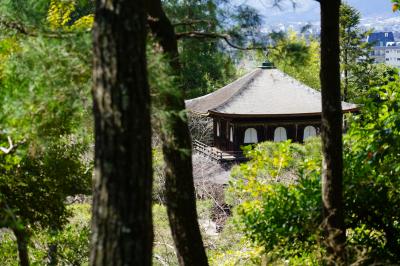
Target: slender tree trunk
(52, 251)
(346, 85)
(332, 119)
(52, 254)
(346, 76)
(22, 242)
(177, 150)
(122, 232)
(392, 242)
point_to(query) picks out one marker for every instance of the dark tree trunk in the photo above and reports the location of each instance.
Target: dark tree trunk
(22, 242)
(52, 254)
(177, 150)
(332, 122)
(122, 231)
(52, 251)
(392, 242)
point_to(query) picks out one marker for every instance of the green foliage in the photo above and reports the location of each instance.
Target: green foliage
(372, 171)
(300, 58)
(31, 13)
(284, 217)
(280, 214)
(364, 76)
(163, 249)
(43, 180)
(41, 16)
(44, 117)
(356, 64)
(206, 62)
(289, 49)
(72, 242)
(8, 248)
(46, 88)
(46, 112)
(297, 57)
(61, 15)
(273, 163)
(158, 177)
(233, 249)
(205, 68)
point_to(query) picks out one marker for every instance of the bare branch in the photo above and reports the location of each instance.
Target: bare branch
(161, 259)
(22, 29)
(165, 244)
(12, 146)
(7, 150)
(213, 35)
(12, 25)
(191, 22)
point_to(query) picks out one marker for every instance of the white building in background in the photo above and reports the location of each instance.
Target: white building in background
(392, 54)
(385, 49)
(378, 54)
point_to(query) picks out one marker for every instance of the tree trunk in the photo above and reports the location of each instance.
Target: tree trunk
(392, 242)
(52, 254)
(177, 150)
(122, 232)
(346, 85)
(332, 119)
(22, 242)
(346, 76)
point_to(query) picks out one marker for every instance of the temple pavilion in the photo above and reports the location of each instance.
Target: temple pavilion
(265, 104)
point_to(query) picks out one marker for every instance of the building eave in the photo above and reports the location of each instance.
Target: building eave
(215, 113)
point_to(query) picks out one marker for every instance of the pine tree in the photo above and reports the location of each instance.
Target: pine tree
(122, 231)
(332, 144)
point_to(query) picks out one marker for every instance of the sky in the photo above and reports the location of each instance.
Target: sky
(308, 10)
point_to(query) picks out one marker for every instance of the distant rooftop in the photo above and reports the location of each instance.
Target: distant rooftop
(262, 92)
(380, 38)
(389, 44)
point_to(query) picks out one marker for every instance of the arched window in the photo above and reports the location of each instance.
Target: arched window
(231, 134)
(218, 128)
(280, 134)
(250, 135)
(309, 131)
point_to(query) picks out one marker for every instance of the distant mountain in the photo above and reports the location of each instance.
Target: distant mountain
(375, 13)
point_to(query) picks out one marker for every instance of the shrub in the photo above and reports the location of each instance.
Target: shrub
(284, 217)
(72, 242)
(281, 215)
(372, 170)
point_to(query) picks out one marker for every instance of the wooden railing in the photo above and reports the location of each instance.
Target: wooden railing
(207, 150)
(216, 154)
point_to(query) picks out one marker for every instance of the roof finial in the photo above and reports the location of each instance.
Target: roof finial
(267, 64)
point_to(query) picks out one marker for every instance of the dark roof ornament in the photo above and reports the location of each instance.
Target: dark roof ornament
(267, 65)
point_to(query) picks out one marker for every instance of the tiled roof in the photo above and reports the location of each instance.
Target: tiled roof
(380, 38)
(262, 92)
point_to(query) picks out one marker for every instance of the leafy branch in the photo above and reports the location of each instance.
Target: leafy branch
(214, 35)
(396, 5)
(22, 29)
